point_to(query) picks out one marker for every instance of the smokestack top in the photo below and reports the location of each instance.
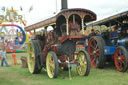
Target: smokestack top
(64, 4)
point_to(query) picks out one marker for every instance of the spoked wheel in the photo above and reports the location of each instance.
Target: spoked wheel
(121, 59)
(52, 65)
(83, 67)
(33, 63)
(96, 52)
(39, 54)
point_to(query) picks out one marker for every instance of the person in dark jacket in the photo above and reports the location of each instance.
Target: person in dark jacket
(93, 33)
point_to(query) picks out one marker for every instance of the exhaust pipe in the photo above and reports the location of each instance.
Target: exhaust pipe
(64, 4)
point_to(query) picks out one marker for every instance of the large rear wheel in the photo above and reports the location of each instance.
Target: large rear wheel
(83, 67)
(39, 54)
(96, 52)
(32, 60)
(52, 65)
(121, 59)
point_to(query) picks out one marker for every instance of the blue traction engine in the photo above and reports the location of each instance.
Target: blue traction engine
(110, 44)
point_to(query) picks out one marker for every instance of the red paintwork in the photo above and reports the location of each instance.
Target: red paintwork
(10, 51)
(64, 57)
(119, 59)
(91, 50)
(79, 47)
(51, 44)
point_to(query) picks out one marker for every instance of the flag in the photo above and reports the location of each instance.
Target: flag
(3, 8)
(31, 8)
(12, 8)
(21, 8)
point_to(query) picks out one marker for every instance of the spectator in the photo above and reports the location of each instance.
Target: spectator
(0, 53)
(4, 55)
(93, 33)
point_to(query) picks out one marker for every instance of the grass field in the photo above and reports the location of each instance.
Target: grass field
(15, 75)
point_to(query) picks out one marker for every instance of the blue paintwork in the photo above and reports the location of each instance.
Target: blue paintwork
(24, 36)
(114, 34)
(121, 42)
(109, 50)
(115, 39)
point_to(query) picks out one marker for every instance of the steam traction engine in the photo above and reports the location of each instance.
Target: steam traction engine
(61, 47)
(112, 42)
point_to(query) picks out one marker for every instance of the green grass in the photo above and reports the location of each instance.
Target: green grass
(16, 75)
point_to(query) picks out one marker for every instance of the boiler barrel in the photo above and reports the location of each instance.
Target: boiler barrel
(68, 47)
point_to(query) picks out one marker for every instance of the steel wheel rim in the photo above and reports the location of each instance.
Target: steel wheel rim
(119, 59)
(31, 58)
(50, 65)
(82, 64)
(93, 51)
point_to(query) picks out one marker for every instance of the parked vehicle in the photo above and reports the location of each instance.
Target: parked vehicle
(60, 47)
(112, 41)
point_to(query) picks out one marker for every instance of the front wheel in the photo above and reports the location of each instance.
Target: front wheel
(52, 65)
(121, 59)
(83, 67)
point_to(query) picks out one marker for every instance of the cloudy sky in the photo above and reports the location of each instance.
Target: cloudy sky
(45, 8)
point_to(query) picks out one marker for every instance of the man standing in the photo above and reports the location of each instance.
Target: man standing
(0, 53)
(3, 54)
(93, 33)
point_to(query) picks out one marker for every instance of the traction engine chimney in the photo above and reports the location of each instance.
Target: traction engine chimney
(64, 4)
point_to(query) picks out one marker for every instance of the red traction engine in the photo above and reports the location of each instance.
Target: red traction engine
(61, 47)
